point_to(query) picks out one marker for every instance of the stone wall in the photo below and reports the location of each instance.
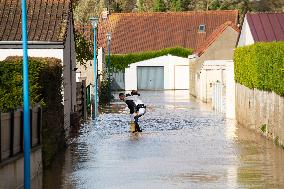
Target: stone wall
(261, 111)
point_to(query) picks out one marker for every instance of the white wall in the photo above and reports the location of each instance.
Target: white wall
(87, 71)
(56, 53)
(169, 63)
(246, 37)
(230, 91)
(223, 71)
(211, 71)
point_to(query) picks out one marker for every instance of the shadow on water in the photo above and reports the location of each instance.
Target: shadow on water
(184, 145)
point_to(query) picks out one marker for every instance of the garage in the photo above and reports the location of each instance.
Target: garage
(150, 77)
(161, 73)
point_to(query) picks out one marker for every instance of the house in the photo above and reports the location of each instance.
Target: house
(214, 63)
(262, 27)
(143, 32)
(50, 34)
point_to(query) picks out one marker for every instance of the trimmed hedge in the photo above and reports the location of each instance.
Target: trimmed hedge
(120, 62)
(261, 66)
(45, 78)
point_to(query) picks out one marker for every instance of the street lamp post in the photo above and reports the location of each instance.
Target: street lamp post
(94, 22)
(26, 100)
(108, 36)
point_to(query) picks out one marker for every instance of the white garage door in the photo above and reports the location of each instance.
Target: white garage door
(181, 77)
(150, 77)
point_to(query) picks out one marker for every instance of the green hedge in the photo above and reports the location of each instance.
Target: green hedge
(42, 72)
(45, 78)
(120, 62)
(261, 66)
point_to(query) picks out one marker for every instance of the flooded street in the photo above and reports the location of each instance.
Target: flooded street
(184, 144)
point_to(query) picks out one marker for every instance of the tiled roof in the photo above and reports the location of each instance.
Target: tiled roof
(266, 27)
(215, 34)
(138, 32)
(47, 20)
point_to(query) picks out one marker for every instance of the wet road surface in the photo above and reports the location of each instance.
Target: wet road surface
(184, 144)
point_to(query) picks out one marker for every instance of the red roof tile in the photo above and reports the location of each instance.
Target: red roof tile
(47, 20)
(214, 36)
(266, 27)
(138, 32)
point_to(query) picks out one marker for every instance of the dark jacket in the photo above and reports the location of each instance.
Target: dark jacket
(130, 103)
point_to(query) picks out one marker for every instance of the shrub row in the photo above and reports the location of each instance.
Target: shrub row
(120, 62)
(261, 66)
(45, 78)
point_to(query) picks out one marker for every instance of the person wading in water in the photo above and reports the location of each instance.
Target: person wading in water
(136, 107)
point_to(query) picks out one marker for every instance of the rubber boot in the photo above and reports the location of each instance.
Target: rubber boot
(137, 128)
(132, 127)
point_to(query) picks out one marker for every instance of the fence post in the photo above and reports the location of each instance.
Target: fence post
(11, 133)
(31, 127)
(21, 132)
(0, 138)
(39, 115)
(82, 100)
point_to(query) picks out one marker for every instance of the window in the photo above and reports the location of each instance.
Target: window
(201, 28)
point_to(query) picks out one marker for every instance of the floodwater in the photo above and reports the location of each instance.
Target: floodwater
(184, 144)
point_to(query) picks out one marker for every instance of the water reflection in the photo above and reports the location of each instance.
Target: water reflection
(184, 145)
(262, 162)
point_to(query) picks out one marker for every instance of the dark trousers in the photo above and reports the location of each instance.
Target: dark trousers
(137, 128)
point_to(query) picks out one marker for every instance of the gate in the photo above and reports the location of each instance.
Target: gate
(150, 77)
(219, 97)
(118, 80)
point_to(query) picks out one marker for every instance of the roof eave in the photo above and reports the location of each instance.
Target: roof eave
(32, 44)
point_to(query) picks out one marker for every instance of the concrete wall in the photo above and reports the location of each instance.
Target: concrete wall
(169, 63)
(11, 171)
(87, 71)
(261, 111)
(246, 37)
(221, 49)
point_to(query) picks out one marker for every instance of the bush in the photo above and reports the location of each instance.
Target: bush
(84, 49)
(261, 66)
(120, 62)
(105, 95)
(42, 72)
(45, 78)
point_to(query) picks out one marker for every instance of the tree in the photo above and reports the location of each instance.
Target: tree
(145, 5)
(85, 9)
(175, 5)
(128, 5)
(267, 5)
(160, 6)
(186, 5)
